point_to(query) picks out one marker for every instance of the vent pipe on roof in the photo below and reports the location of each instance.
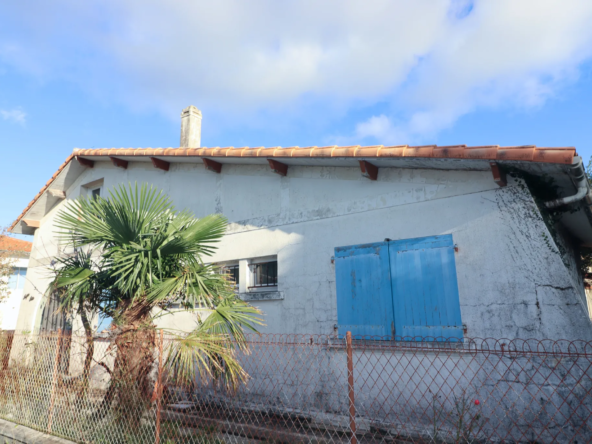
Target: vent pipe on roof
(190, 127)
(581, 182)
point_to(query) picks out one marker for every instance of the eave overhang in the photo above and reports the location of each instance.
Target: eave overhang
(552, 162)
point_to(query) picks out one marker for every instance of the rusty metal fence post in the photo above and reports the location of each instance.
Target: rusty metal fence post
(350, 388)
(159, 390)
(54, 379)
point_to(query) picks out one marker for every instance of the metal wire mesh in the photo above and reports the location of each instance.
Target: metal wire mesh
(308, 388)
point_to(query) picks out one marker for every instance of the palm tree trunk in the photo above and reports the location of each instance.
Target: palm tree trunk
(136, 345)
(90, 350)
(131, 387)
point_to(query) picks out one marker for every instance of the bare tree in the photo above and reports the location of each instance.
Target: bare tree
(8, 256)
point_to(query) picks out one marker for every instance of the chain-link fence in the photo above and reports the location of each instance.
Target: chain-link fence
(306, 388)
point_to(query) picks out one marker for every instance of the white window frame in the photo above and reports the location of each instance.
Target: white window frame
(250, 273)
(88, 188)
(19, 277)
(246, 276)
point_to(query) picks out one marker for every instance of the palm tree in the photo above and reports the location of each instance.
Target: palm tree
(137, 256)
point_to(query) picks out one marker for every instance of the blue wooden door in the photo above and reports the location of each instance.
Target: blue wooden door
(425, 288)
(364, 298)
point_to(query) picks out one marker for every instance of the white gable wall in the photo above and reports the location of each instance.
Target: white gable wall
(9, 306)
(512, 282)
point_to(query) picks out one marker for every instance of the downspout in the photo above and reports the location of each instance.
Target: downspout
(578, 173)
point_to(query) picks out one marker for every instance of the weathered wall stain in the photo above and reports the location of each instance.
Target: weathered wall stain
(513, 281)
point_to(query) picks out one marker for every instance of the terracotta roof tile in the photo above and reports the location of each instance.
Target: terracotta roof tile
(492, 152)
(419, 151)
(236, 152)
(449, 152)
(323, 151)
(516, 153)
(271, 152)
(345, 151)
(554, 155)
(381, 151)
(302, 152)
(8, 243)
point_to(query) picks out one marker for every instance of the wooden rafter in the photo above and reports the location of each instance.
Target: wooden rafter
(212, 165)
(369, 170)
(85, 162)
(499, 176)
(278, 167)
(160, 164)
(32, 223)
(57, 193)
(120, 163)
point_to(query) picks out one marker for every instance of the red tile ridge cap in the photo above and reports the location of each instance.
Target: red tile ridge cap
(528, 153)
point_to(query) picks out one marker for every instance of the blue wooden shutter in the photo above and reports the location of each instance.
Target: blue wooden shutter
(364, 298)
(425, 288)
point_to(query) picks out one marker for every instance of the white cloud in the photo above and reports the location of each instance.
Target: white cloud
(380, 128)
(14, 115)
(431, 61)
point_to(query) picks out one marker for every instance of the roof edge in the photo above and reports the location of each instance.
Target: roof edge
(43, 189)
(529, 153)
(526, 153)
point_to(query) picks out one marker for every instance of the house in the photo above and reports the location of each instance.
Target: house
(13, 252)
(405, 241)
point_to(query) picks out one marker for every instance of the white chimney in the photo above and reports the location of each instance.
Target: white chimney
(190, 127)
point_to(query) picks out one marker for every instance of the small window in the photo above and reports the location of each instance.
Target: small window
(92, 189)
(232, 272)
(264, 274)
(16, 281)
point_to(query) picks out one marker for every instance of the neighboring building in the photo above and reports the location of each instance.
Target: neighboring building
(17, 252)
(410, 241)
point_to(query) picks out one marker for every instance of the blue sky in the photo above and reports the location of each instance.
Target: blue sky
(266, 73)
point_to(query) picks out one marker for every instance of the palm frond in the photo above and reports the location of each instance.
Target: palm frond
(124, 217)
(77, 281)
(196, 236)
(193, 285)
(204, 356)
(232, 317)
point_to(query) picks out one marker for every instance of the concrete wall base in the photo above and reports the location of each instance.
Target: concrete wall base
(11, 433)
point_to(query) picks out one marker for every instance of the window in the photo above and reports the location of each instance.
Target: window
(16, 281)
(406, 288)
(264, 274)
(92, 189)
(233, 274)
(253, 275)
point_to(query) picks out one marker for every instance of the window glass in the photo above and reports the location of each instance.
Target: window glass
(232, 272)
(264, 274)
(22, 272)
(17, 278)
(96, 192)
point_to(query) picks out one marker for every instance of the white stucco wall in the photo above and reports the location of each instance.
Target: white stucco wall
(512, 281)
(9, 307)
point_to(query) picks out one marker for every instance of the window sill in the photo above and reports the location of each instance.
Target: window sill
(338, 342)
(262, 289)
(262, 296)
